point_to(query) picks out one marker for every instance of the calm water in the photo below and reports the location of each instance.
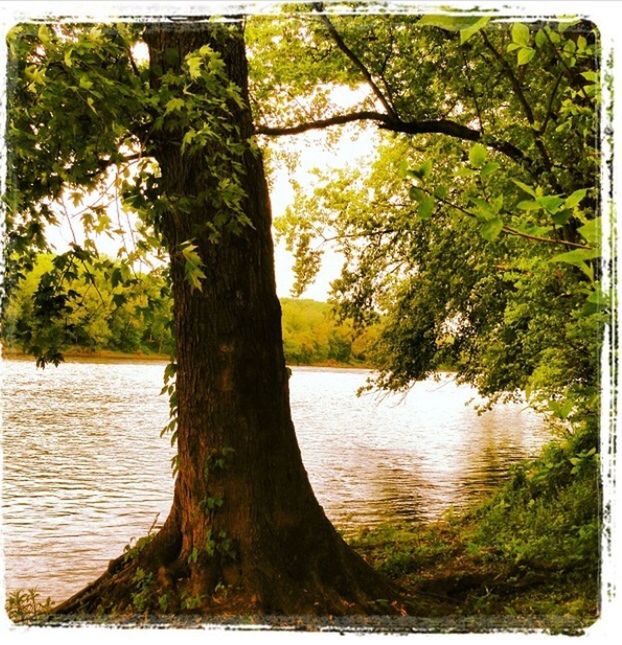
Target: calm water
(85, 469)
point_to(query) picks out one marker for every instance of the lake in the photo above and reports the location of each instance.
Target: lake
(85, 469)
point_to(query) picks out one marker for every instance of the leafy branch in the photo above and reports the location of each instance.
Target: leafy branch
(508, 230)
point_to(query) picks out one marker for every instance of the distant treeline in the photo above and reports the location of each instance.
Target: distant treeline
(114, 314)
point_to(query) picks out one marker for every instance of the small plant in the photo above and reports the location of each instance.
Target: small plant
(210, 544)
(209, 504)
(131, 551)
(163, 602)
(221, 589)
(144, 589)
(219, 543)
(217, 460)
(26, 605)
(191, 602)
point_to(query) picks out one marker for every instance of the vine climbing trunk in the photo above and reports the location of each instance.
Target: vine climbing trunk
(245, 532)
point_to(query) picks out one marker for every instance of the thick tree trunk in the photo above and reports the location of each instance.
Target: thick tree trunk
(245, 532)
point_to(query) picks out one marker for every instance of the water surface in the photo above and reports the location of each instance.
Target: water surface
(85, 469)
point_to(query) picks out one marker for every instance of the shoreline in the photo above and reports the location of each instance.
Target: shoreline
(112, 356)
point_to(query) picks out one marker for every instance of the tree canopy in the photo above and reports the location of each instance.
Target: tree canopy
(135, 316)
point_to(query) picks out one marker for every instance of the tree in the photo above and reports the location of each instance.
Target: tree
(244, 517)
(131, 315)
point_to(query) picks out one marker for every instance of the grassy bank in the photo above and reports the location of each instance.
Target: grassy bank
(103, 355)
(528, 556)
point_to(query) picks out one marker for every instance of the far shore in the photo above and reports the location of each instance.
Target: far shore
(78, 355)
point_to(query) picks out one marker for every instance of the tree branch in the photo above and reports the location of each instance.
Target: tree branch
(320, 124)
(133, 62)
(549, 109)
(572, 75)
(518, 90)
(319, 6)
(439, 126)
(472, 91)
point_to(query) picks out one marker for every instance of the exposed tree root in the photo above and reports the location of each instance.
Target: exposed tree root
(333, 580)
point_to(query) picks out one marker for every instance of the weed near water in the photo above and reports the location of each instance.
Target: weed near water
(26, 605)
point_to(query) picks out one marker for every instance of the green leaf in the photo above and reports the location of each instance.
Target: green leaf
(528, 205)
(426, 208)
(116, 277)
(590, 76)
(415, 193)
(550, 202)
(520, 34)
(525, 55)
(525, 187)
(561, 217)
(483, 211)
(192, 266)
(491, 229)
(174, 104)
(422, 170)
(578, 258)
(44, 33)
(465, 172)
(576, 198)
(451, 23)
(85, 82)
(477, 155)
(188, 138)
(489, 168)
(576, 255)
(540, 38)
(441, 192)
(497, 204)
(569, 47)
(194, 63)
(469, 32)
(591, 231)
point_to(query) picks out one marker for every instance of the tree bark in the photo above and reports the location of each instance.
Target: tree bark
(245, 532)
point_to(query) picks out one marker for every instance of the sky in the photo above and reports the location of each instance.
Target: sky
(355, 147)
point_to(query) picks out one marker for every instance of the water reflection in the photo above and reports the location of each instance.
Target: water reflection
(85, 469)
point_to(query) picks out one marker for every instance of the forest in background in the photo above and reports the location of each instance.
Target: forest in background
(132, 314)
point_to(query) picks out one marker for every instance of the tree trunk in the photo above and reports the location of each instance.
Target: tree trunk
(245, 532)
